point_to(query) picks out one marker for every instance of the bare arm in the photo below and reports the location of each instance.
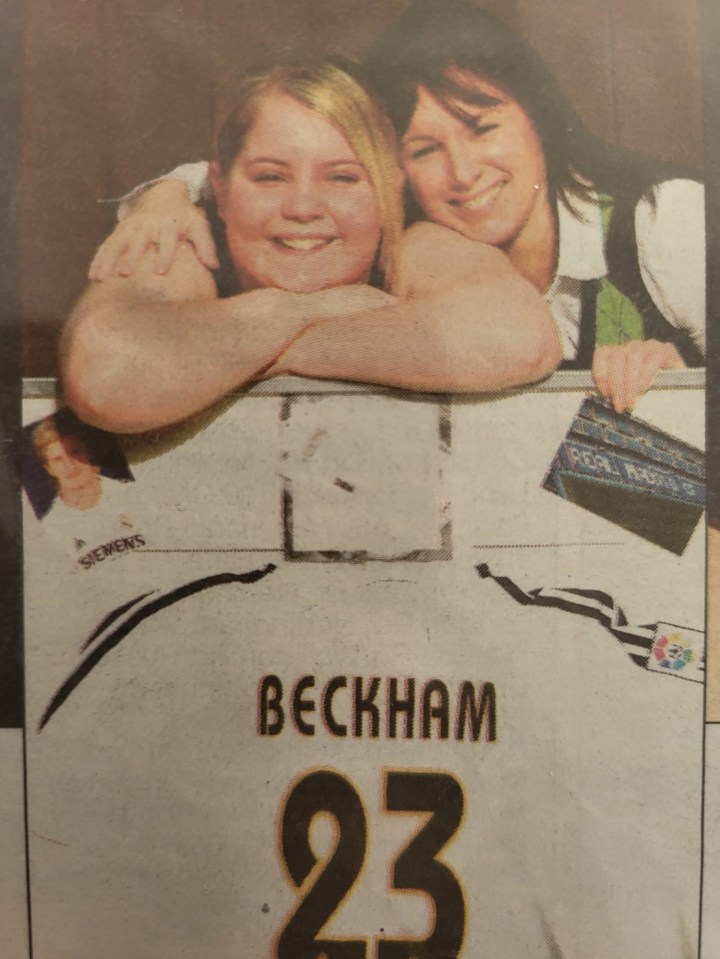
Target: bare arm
(466, 322)
(143, 351)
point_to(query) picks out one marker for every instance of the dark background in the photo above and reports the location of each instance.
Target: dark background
(114, 91)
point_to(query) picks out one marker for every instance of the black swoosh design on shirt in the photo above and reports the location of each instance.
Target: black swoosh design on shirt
(152, 606)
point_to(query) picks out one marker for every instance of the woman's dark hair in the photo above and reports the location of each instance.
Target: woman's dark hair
(435, 42)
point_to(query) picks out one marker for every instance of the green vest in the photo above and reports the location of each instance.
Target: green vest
(617, 308)
(617, 319)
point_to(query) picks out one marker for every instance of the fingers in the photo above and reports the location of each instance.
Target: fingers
(198, 233)
(615, 370)
(641, 371)
(137, 247)
(121, 252)
(673, 360)
(192, 227)
(623, 373)
(167, 243)
(601, 371)
(106, 257)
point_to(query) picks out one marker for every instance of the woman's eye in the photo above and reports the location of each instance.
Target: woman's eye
(425, 151)
(481, 128)
(268, 178)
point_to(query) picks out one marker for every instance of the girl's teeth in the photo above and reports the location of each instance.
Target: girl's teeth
(309, 244)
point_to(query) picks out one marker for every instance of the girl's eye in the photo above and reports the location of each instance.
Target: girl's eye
(345, 178)
(268, 178)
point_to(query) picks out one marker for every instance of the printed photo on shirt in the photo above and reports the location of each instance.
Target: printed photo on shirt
(632, 474)
(80, 488)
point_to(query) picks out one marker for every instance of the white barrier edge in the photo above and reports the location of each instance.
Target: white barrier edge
(560, 382)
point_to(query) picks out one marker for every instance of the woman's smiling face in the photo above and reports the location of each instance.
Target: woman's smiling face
(479, 169)
(299, 208)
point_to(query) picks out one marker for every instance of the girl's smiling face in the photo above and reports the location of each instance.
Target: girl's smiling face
(299, 208)
(479, 168)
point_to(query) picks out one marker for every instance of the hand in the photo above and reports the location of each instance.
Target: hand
(160, 221)
(623, 373)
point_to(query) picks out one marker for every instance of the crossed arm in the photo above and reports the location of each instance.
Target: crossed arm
(146, 350)
(465, 322)
(143, 351)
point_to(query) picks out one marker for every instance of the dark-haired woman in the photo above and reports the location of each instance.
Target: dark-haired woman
(492, 149)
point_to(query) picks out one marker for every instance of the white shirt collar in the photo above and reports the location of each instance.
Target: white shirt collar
(581, 253)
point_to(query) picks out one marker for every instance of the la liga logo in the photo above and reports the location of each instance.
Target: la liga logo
(671, 653)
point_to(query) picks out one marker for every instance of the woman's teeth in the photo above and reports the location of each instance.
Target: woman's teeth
(478, 202)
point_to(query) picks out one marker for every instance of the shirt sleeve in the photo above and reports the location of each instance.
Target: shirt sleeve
(193, 175)
(670, 231)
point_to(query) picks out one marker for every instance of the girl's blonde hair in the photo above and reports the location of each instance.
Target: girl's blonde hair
(334, 93)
